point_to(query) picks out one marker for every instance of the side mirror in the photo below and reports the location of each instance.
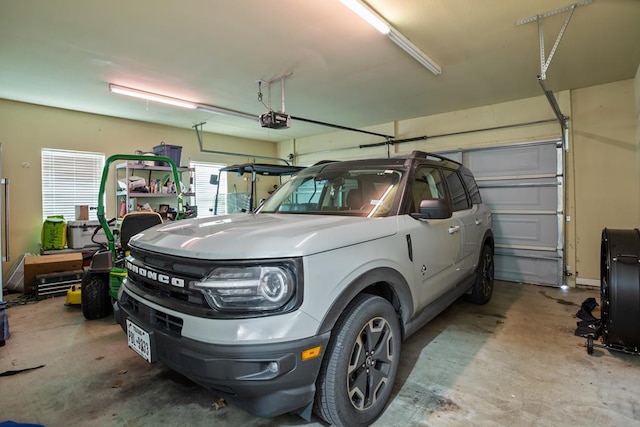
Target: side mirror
(434, 209)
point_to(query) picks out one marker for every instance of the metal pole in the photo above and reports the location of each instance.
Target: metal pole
(198, 129)
(282, 91)
(425, 137)
(4, 210)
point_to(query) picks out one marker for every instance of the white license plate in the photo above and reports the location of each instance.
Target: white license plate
(139, 340)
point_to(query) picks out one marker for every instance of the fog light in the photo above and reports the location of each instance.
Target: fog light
(272, 367)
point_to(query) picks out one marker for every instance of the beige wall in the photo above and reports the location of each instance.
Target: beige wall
(606, 168)
(25, 129)
(602, 163)
(636, 85)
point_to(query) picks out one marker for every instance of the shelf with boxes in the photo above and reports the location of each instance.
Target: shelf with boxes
(143, 185)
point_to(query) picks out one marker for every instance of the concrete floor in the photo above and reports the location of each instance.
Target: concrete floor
(513, 362)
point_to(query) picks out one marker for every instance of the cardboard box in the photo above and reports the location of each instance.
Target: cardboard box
(82, 212)
(42, 264)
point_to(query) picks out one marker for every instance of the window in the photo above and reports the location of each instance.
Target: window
(361, 192)
(472, 186)
(458, 194)
(206, 190)
(70, 178)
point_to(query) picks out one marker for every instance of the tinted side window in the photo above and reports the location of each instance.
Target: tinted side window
(472, 186)
(458, 193)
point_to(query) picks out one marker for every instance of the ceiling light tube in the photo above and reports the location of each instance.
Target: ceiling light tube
(414, 51)
(136, 93)
(366, 13)
(376, 21)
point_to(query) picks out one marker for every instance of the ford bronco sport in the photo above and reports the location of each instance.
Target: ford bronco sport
(303, 304)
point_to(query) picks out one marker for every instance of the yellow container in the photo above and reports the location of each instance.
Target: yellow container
(74, 296)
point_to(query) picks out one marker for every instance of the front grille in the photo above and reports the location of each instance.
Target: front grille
(167, 281)
(156, 318)
(166, 322)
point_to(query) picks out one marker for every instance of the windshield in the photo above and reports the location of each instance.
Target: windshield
(327, 191)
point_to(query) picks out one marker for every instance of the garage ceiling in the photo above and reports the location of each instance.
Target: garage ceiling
(64, 54)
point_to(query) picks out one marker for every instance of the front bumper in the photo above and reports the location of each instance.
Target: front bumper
(264, 379)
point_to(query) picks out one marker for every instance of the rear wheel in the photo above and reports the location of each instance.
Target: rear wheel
(94, 294)
(483, 286)
(360, 365)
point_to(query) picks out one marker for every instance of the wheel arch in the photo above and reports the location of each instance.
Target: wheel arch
(488, 240)
(384, 282)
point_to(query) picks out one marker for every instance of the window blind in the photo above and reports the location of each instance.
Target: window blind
(205, 191)
(70, 178)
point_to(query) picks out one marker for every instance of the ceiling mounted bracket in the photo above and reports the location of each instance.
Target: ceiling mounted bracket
(268, 84)
(544, 61)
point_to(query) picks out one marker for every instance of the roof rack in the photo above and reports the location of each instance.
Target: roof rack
(322, 162)
(416, 154)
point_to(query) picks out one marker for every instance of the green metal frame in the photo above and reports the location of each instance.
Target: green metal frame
(103, 183)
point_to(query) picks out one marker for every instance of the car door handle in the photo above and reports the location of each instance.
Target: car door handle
(478, 221)
(454, 229)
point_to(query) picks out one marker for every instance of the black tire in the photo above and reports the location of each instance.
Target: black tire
(94, 294)
(483, 287)
(360, 364)
(589, 345)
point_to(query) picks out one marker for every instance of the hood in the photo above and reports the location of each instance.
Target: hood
(255, 236)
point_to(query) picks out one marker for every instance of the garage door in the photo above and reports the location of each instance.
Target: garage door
(523, 187)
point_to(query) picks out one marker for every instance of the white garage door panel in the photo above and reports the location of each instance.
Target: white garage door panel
(527, 197)
(527, 267)
(526, 231)
(522, 185)
(512, 161)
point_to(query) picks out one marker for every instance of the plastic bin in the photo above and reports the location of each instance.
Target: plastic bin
(171, 151)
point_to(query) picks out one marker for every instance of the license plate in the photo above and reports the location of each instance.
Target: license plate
(139, 340)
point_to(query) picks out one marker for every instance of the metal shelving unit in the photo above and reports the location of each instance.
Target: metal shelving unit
(156, 193)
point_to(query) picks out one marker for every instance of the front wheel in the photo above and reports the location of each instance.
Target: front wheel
(360, 365)
(483, 286)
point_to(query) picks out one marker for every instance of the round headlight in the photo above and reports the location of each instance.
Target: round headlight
(274, 285)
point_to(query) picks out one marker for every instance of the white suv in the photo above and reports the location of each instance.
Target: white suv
(302, 305)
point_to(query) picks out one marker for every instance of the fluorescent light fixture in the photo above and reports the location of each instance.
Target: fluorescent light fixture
(366, 13)
(414, 51)
(136, 93)
(376, 21)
